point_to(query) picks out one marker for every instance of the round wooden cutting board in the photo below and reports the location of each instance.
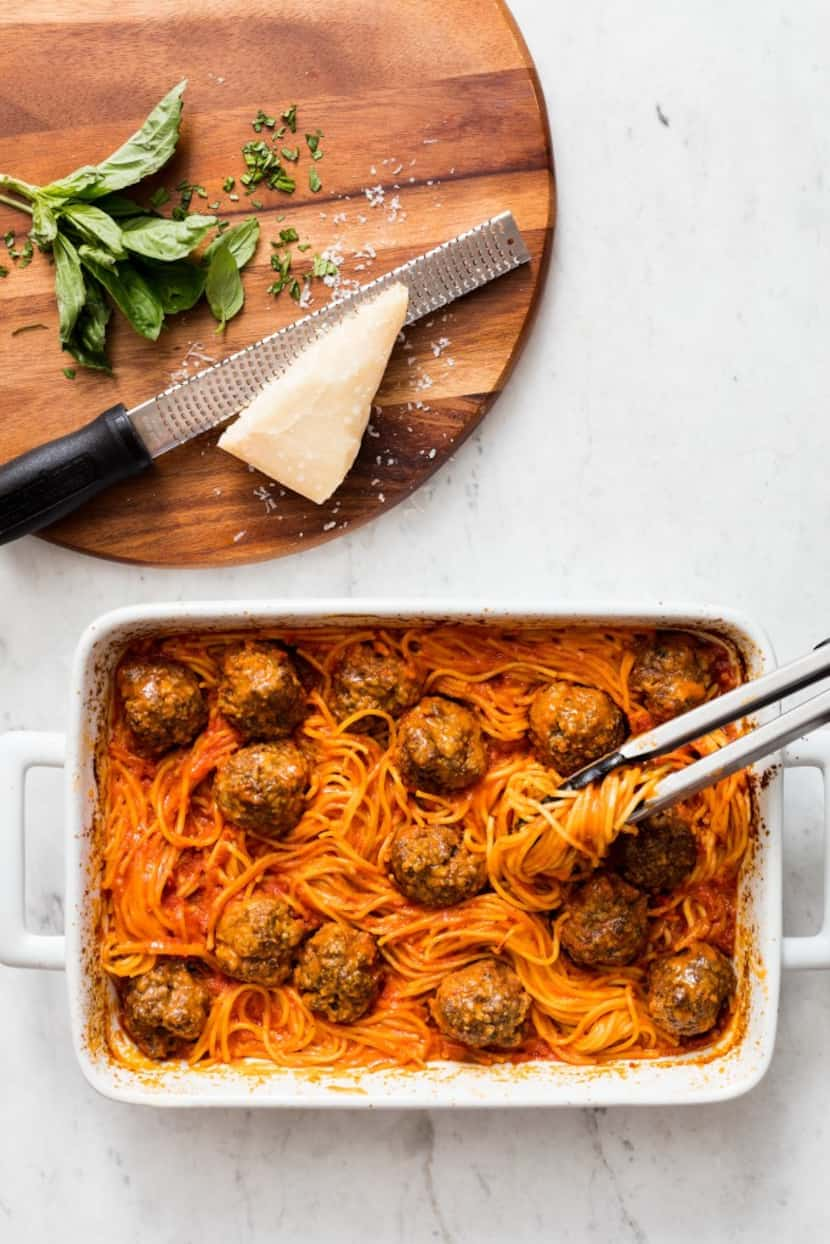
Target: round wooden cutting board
(438, 103)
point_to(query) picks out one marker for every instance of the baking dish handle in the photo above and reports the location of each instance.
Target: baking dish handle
(814, 951)
(21, 750)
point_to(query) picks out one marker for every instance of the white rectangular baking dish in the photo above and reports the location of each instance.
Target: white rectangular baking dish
(733, 1070)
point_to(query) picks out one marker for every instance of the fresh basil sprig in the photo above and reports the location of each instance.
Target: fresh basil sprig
(108, 247)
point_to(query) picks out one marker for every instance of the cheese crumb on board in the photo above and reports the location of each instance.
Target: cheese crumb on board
(304, 429)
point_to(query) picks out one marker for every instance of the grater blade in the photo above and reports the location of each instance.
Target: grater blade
(435, 278)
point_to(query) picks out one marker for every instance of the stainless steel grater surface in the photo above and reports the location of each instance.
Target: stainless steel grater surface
(434, 279)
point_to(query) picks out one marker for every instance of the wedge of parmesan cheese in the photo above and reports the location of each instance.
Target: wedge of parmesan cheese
(304, 429)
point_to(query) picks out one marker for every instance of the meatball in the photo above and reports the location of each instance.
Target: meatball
(165, 1007)
(263, 787)
(607, 922)
(571, 726)
(260, 693)
(659, 856)
(256, 938)
(339, 972)
(369, 678)
(431, 865)
(670, 675)
(440, 748)
(687, 991)
(481, 1005)
(163, 704)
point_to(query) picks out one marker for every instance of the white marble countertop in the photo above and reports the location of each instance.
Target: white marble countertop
(665, 438)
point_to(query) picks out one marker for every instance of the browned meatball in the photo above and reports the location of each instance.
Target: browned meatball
(431, 865)
(163, 704)
(481, 1005)
(165, 1007)
(339, 972)
(686, 991)
(440, 748)
(260, 693)
(607, 922)
(256, 938)
(571, 726)
(670, 674)
(659, 855)
(263, 787)
(370, 677)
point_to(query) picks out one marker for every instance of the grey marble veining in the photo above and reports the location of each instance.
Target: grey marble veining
(664, 437)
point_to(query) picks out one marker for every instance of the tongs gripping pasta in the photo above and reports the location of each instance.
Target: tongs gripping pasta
(743, 751)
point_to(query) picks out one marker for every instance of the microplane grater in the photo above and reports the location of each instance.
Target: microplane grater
(433, 279)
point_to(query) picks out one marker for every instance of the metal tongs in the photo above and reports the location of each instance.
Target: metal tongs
(730, 707)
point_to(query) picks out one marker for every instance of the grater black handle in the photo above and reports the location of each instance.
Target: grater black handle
(49, 482)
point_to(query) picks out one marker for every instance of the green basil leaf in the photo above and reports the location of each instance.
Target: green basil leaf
(241, 241)
(95, 227)
(87, 345)
(179, 285)
(100, 256)
(148, 149)
(131, 294)
(69, 285)
(159, 238)
(142, 154)
(44, 222)
(118, 206)
(224, 285)
(92, 323)
(96, 362)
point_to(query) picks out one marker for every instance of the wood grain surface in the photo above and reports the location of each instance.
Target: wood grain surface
(436, 101)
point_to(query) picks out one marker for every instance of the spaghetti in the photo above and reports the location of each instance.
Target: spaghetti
(172, 862)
